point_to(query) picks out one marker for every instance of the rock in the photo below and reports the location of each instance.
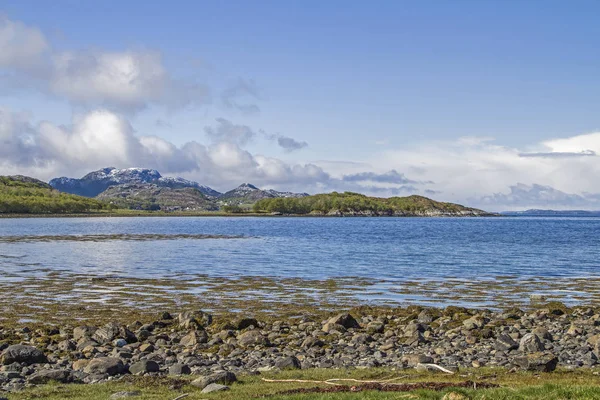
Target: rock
(112, 331)
(252, 338)
(144, 366)
(80, 365)
(530, 343)
(223, 377)
(121, 395)
(475, 322)
(288, 363)
(539, 362)
(413, 360)
(375, 327)
(47, 375)
(415, 339)
(165, 316)
(83, 332)
(23, 354)
(179, 369)
(542, 333)
(345, 320)
(214, 387)
(194, 319)
(245, 323)
(193, 338)
(425, 317)
(312, 341)
(146, 348)
(105, 365)
(66, 345)
(505, 343)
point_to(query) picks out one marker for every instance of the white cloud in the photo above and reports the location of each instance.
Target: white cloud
(21, 46)
(102, 138)
(124, 80)
(471, 170)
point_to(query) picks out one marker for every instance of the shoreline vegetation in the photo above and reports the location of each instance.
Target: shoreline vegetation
(22, 196)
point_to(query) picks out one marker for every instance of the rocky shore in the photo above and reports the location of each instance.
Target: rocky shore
(215, 352)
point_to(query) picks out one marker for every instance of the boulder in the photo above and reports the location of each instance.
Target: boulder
(214, 387)
(179, 369)
(244, 323)
(23, 354)
(194, 319)
(538, 362)
(83, 332)
(290, 362)
(105, 365)
(413, 360)
(144, 366)
(112, 331)
(345, 320)
(252, 338)
(312, 341)
(194, 338)
(531, 343)
(222, 377)
(505, 343)
(48, 375)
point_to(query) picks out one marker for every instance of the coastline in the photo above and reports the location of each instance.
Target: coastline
(196, 349)
(223, 214)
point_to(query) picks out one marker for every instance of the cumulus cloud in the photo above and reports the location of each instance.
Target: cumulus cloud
(100, 138)
(473, 170)
(124, 80)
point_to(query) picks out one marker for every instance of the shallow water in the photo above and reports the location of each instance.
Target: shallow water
(416, 260)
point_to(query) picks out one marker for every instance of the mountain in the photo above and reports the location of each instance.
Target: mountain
(150, 196)
(24, 195)
(355, 204)
(247, 193)
(94, 183)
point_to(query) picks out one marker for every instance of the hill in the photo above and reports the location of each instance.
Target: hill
(247, 193)
(25, 195)
(96, 182)
(356, 204)
(155, 197)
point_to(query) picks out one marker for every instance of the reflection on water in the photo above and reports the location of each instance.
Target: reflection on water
(418, 260)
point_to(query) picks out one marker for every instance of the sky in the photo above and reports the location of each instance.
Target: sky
(492, 104)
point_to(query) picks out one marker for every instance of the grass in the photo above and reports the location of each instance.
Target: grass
(581, 384)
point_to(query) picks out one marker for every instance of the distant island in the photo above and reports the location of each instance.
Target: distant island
(551, 213)
(112, 190)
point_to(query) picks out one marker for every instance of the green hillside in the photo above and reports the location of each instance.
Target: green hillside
(24, 195)
(349, 203)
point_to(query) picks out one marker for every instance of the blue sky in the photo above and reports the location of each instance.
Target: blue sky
(368, 87)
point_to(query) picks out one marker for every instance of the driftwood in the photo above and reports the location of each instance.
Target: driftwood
(437, 367)
(182, 396)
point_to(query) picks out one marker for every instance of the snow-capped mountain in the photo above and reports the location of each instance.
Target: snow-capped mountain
(97, 182)
(247, 193)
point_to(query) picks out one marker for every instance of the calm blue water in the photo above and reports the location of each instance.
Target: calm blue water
(314, 248)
